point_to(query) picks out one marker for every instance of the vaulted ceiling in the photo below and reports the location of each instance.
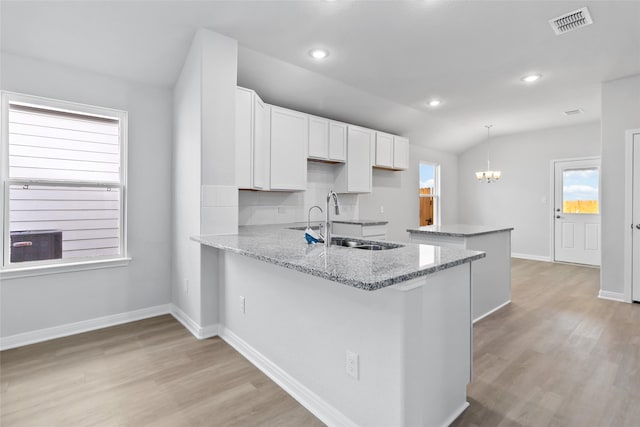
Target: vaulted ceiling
(387, 58)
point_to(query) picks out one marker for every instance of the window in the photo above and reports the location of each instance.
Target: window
(63, 175)
(429, 194)
(580, 191)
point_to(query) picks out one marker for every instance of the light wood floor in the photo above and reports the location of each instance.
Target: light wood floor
(147, 373)
(557, 356)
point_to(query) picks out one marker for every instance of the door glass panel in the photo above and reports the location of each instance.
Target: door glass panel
(580, 191)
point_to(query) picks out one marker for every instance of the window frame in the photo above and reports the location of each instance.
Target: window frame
(436, 188)
(10, 270)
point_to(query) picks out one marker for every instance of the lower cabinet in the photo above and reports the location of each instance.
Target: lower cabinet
(373, 231)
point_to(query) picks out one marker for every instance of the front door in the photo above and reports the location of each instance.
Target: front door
(577, 211)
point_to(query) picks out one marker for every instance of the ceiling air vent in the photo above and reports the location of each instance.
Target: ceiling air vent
(574, 112)
(571, 21)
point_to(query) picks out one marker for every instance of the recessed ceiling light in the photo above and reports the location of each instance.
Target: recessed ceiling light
(318, 53)
(530, 78)
(434, 102)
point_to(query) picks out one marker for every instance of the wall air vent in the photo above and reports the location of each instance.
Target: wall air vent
(571, 21)
(574, 112)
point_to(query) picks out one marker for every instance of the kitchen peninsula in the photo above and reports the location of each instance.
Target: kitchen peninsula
(491, 277)
(359, 337)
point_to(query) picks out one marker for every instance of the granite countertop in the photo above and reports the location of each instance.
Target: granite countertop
(363, 269)
(458, 230)
(365, 222)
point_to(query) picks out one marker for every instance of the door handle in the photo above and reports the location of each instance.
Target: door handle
(558, 216)
(638, 226)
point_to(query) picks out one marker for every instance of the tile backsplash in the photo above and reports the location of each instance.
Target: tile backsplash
(275, 207)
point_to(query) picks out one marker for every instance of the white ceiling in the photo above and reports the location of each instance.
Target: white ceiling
(387, 57)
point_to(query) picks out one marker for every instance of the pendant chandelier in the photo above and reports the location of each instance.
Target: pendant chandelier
(488, 175)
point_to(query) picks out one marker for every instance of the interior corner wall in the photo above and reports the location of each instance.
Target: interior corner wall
(620, 112)
(398, 193)
(30, 304)
(521, 199)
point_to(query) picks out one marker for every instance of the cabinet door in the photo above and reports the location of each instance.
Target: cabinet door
(261, 144)
(384, 150)
(244, 138)
(318, 138)
(359, 146)
(289, 139)
(337, 141)
(400, 153)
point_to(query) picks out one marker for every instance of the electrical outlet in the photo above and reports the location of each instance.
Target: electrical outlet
(186, 286)
(352, 364)
(243, 305)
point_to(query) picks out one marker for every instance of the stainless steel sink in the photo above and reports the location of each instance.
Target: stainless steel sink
(363, 244)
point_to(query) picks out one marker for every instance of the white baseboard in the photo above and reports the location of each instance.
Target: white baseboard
(492, 311)
(200, 332)
(32, 337)
(612, 296)
(314, 403)
(456, 414)
(531, 257)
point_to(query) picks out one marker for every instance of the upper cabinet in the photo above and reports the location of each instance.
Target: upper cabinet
(355, 176)
(289, 140)
(400, 153)
(274, 143)
(384, 150)
(327, 140)
(337, 141)
(391, 152)
(252, 141)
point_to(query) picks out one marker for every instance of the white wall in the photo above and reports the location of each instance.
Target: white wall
(521, 198)
(398, 192)
(620, 112)
(33, 303)
(205, 198)
(185, 283)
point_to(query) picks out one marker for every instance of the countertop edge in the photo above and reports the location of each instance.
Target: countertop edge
(454, 234)
(361, 222)
(371, 286)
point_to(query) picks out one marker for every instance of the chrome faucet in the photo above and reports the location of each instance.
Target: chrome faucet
(327, 223)
(309, 215)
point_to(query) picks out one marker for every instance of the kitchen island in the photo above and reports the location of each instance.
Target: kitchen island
(491, 278)
(359, 337)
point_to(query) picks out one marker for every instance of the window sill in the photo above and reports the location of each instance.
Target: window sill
(41, 270)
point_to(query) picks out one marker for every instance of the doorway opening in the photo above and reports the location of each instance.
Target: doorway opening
(429, 193)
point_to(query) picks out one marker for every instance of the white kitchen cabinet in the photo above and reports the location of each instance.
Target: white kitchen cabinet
(252, 141)
(327, 140)
(289, 140)
(384, 150)
(373, 230)
(337, 141)
(355, 175)
(392, 152)
(400, 153)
